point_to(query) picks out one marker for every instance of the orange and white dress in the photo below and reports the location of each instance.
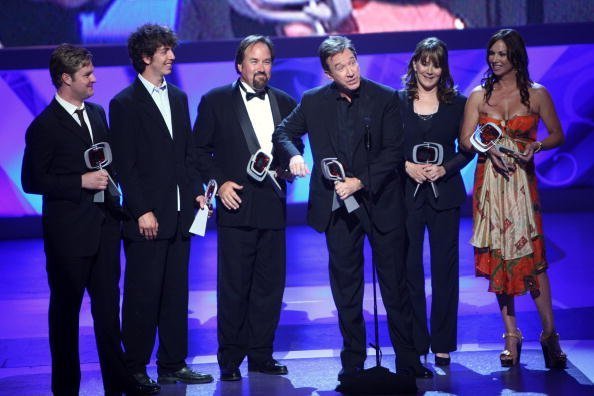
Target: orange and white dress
(507, 232)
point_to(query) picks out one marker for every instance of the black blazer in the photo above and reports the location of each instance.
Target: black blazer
(152, 163)
(223, 154)
(445, 129)
(378, 113)
(53, 164)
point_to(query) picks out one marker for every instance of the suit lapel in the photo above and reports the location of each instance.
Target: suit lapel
(329, 110)
(148, 105)
(97, 125)
(67, 121)
(276, 117)
(244, 119)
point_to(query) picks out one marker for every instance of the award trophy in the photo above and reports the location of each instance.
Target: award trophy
(428, 153)
(333, 171)
(258, 168)
(198, 226)
(488, 135)
(97, 157)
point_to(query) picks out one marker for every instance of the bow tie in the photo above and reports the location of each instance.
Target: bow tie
(251, 95)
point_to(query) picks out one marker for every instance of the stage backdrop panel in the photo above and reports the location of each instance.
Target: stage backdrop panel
(560, 68)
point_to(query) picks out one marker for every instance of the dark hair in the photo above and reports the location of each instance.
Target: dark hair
(248, 42)
(436, 52)
(69, 59)
(145, 41)
(517, 56)
(334, 45)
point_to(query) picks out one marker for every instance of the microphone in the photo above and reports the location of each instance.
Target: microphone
(367, 121)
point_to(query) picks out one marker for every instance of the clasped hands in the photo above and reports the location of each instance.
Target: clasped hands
(504, 164)
(424, 172)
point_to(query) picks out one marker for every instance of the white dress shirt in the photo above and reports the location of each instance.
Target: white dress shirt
(260, 115)
(70, 108)
(161, 98)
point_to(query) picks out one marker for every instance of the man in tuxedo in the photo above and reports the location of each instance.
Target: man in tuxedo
(81, 233)
(152, 136)
(234, 121)
(356, 121)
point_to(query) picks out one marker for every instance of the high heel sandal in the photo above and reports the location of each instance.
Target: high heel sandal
(554, 357)
(507, 358)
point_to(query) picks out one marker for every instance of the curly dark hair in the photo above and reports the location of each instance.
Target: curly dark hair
(435, 51)
(517, 56)
(145, 41)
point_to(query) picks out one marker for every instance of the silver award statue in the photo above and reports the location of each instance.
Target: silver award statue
(488, 135)
(97, 157)
(428, 153)
(258, 168)
(334, 171)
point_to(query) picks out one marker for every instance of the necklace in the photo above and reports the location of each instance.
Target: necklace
(426, 117)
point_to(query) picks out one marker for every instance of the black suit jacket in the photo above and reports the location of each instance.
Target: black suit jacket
(445, 129)
(152, 162)
(223, 154)
(53, 164)
(379, 118)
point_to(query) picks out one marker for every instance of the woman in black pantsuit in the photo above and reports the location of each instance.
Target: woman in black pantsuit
(432, 111)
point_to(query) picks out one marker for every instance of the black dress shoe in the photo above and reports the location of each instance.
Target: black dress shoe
(142, 384)
(420, 371)
(185, 375)
(348, 373)
(230, 374)
(269, 367)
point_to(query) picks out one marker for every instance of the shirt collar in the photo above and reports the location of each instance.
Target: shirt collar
(69, 107)
(354, 95)
(150, 87)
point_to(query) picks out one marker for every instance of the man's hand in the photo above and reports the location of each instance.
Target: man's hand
(416, 171)
(297, 166)
(348, 187)
(229, 196)
(96, 180)
(148, 226)
(201, 201)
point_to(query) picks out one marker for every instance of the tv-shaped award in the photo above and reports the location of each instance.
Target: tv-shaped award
(258, 168)
(428, 153)
(198, 226)
(97, 157)
(488, 135)
(333, 170)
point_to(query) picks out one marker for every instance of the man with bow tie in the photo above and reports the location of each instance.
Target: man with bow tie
(233, 122)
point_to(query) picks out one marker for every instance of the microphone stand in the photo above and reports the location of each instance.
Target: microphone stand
(376, 380)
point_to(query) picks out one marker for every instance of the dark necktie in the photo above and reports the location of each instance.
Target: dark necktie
(83, 124)
(251, 95)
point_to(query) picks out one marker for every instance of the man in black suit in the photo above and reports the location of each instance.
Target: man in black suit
(81, 237)
(234, 121)
(152, 136)
(357, 121)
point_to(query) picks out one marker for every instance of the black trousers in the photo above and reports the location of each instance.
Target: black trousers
(68, 277)
(156, 297)
(443, 227)
(250, 284)
(344, 238)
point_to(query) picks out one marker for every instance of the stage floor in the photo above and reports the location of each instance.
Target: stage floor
(308, 339)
